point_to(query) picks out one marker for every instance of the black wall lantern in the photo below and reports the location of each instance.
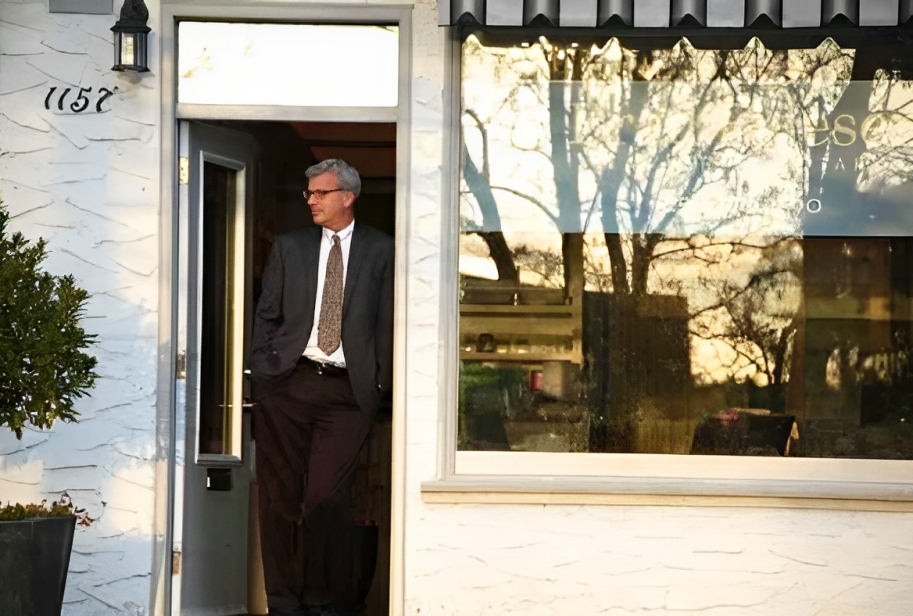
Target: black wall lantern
(131, 38)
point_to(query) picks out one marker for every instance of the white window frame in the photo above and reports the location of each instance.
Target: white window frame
(610, 478)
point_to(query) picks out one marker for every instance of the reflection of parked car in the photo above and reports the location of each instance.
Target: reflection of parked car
(500, 411)
(755, 432)
(487, 396)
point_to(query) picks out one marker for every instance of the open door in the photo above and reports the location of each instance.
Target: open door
(213, 458)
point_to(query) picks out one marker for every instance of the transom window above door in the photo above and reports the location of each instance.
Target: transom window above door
(322, 65)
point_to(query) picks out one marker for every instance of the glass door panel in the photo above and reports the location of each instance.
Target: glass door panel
(219, 167)
(222, 309)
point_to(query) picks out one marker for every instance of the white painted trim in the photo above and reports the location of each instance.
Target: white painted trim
(180, 293)
(166, 602)
(486, 492)
(217, 460)
(403, 236)
(642, 466)
(161, 586)
(670, 478)
(292, 11)
(450, 225)
(286, 113)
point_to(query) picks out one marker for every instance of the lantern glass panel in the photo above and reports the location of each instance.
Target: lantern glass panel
(127, 49)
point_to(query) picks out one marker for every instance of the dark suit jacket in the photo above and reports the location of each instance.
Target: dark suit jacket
(285, 312)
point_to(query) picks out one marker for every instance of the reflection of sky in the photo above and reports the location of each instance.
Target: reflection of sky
(753, 179)
(747, 141)
(287, 64)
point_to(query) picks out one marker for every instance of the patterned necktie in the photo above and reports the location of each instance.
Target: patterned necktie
(329, 328)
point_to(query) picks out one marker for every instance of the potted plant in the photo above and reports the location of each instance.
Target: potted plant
(43, 371)
(35, 545)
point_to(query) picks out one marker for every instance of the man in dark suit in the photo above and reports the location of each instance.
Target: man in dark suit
(321, 361)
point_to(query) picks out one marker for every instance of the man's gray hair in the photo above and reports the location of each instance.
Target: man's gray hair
(346, 175)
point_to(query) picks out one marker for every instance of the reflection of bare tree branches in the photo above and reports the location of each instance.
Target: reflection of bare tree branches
(700, 166)
(546, 265)
(479, 183)
(668, 170)
(758, 318)
(542, 207)
(656, 129)
(697, 249)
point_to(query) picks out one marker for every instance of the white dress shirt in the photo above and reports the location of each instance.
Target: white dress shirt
(312, 351)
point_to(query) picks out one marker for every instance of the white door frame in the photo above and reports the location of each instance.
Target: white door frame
(168, 403)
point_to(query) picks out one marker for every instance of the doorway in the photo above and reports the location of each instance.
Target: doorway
(294, 83)
(244, 183)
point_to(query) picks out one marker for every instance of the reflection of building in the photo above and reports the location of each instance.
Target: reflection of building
(470, 532)
(857, 309)
(524, 324)
(637, 351)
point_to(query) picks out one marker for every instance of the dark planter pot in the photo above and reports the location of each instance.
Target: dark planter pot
(34, 557)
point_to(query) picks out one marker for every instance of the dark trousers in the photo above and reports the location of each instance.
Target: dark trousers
(308, 434)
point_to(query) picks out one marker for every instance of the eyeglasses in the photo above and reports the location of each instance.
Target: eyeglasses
(320, 194)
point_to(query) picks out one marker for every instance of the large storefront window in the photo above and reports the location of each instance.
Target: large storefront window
(686, 250)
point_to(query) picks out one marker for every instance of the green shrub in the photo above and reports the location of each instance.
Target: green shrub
(43, 368)
(56, 509)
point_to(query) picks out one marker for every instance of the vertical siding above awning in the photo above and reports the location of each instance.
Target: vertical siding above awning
(676, 13)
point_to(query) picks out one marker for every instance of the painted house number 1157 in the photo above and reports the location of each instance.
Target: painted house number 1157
(81, 100)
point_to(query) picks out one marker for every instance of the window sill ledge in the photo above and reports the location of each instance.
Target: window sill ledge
(670, 492)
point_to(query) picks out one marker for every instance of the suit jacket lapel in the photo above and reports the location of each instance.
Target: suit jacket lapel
(311, 259)
(353, 268)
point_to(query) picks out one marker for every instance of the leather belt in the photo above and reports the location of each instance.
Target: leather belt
(322, 368)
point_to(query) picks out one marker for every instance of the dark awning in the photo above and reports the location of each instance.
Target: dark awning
(675, 13)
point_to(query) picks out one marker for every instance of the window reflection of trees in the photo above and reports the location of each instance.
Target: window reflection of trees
(683, 187)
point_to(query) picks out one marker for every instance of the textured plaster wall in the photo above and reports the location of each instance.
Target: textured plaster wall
(88, 182)
(545, 560)
(614, 560)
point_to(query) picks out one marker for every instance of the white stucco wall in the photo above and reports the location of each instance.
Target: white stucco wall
(89, 183)
(559, 560)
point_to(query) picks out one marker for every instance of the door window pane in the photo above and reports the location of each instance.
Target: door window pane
(288, 64)
(686, 250)
(220, 394)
